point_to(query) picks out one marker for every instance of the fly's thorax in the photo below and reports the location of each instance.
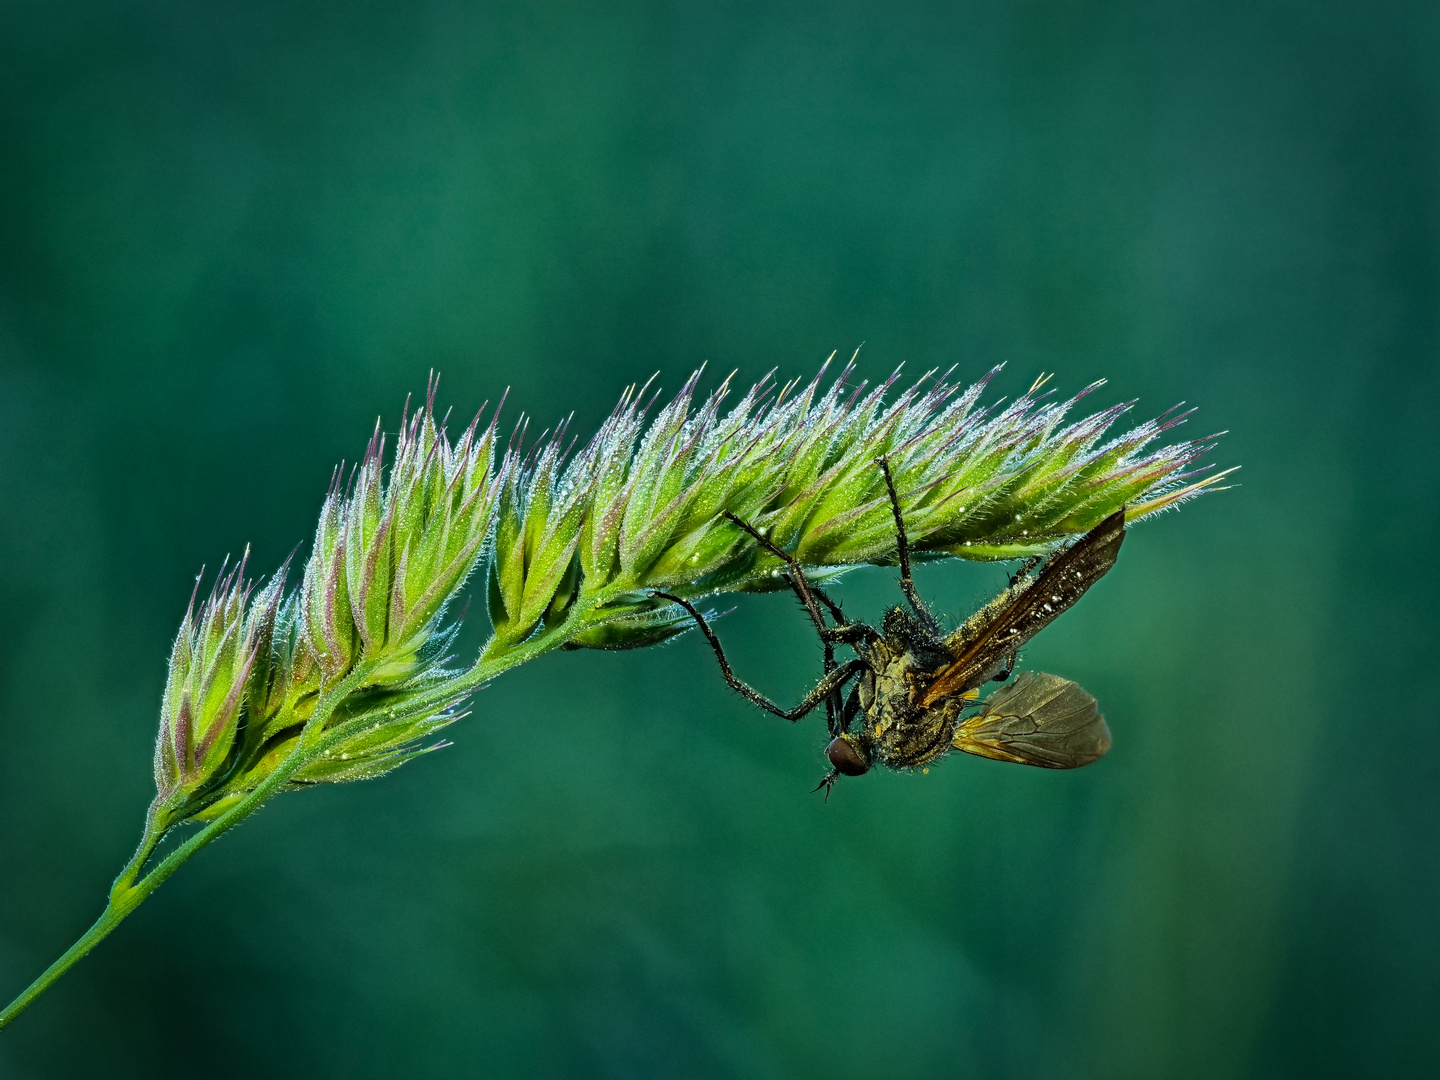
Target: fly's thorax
(904, 633)
(878, 655)
(883, 685)
(895, 730)
(879, 651)
(898, 625)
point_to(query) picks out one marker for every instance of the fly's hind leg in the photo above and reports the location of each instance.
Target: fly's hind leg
(1006, 671)
(1025, 568)
(824, 691)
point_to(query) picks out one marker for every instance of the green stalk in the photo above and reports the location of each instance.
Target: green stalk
(126, 894)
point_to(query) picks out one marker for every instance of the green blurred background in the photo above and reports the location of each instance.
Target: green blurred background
(232, 233)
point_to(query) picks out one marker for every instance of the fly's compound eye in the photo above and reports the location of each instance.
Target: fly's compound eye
(847, 758)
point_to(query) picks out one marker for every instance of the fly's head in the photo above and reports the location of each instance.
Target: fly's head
(849, 754)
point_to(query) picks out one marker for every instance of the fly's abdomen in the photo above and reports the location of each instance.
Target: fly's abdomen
(919, 739)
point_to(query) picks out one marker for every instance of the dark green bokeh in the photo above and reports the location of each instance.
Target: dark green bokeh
(231, 233)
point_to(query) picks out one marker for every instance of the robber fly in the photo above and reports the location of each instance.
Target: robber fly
(912, 683)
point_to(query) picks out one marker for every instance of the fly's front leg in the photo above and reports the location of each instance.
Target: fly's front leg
(808, 594)
(829, 685)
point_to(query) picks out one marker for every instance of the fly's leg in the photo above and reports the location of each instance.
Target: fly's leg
(807, 592)
(848, 714)
(829, 685)
(843, 633)
(1025, 568)
(902, 549)
(1006, 671)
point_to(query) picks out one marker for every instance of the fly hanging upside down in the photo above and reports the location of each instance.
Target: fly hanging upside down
(912, 682)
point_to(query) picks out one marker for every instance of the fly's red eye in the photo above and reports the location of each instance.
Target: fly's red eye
(847, 757)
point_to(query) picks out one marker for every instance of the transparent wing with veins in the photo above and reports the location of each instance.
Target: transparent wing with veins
(1039, 719)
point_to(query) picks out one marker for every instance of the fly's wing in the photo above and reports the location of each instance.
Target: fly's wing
(1016, 616)
(1038, 719)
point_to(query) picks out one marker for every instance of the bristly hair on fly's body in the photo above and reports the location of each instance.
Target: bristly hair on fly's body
(912, 683)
